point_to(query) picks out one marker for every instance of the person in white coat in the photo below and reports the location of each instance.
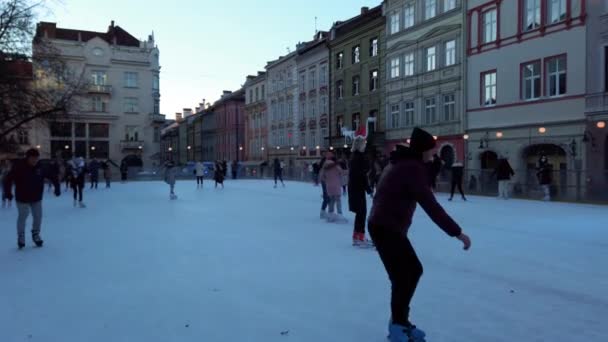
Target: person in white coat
(199, 169)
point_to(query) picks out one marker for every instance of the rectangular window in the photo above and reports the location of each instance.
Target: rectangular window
(132, 133)
(313, 109)
(395, 23)
(98, 104)
(323, 75)
(395, 116)
(373, 80)
(303, 110)
(532, 14)
(409, 64)
(430, 9)
(302, 82)
(356, 54)
(312, 79)
(131, 105)
(340, 90)
(99, 78)
(23, 136)
(303, 139)
(409, 15)
(557, 10)
(488, 86)
(431, 58)
(339, 125)
(356, 84)
(356, 120)
(373, 47)
(556, 76)
(323, 104)
(490, 25)
(395, 67)
(449, 5)
(250, 96)
(409, 115)
(430, 111)
(131, 79)
(530, 78)
(340, 60)
(449, 107)
(450, 53)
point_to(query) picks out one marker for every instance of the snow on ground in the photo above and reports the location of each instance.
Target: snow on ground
(251, 262)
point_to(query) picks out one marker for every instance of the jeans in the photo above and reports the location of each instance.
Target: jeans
(77, 187)
(24, 210)
(335, 201)
(402, 266)
(503, 189)
(199, 180)
(547, 192)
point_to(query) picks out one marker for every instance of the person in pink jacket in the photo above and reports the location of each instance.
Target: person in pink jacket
(332, 176)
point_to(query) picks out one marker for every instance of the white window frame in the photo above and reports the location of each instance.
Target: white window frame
(430, 9)
(409, 15)
(323, 105)
(556, 75)
(395, 72)
(356, 54)
(374, 47)
(431, 58)
(409, 64)
(530, 80)
(532, 15)
(313, 109)
(98, 104)
(312, 78)
(490, 26)
(409, 114)
(322, 75)
(449, 107)
(395, 113)
(374, 81)
(100, 78)
(450, 52)
(490, 89)
(557, 11)
(430, 110)
(395, 23)
(303, 110)
(131, 79)
(340, 89)
(156, 82)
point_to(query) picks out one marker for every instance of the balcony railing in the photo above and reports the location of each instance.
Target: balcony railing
(131, 145)
(157, 117)
(100, 89)
(597, 102)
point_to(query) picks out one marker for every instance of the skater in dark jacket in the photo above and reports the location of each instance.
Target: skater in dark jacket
(94, 167)
(325, 195)
(27, 177)
(124, 170)
(218, 174)
(404, 184)
(457, 177)
(278, 172)
(358, 187)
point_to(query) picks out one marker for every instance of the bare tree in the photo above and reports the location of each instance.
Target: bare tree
(35, 83)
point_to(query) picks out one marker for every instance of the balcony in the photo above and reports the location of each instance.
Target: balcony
(160, 118)
(131, 145)
(100, 89)
(596, 103)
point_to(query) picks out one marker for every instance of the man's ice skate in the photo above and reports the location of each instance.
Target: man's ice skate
(323, 215)
(21, 241)
(172, 196)
(359, 240)
(405, 333)
(331, 218)
(37, 240)
(81, 205)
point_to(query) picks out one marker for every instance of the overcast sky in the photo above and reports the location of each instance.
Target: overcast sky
(207, 46)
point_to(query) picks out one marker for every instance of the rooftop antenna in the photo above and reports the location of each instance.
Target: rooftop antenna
(316, 30)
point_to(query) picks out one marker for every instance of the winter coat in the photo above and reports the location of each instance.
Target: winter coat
(358, 184)
(28, 181)
(457, 173)
(170, 173)
(219, 173)
(545, 175)
(403, 184)
(94, 167)
(332, 176)
(200, 170)
(79, 169)
(503, 170)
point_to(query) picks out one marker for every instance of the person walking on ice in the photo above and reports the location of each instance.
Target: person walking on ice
(199, 170)
(278, 172)
(358, 188)
(170, 177)
(28, 179)
(404, 184)
(79, 170)
(332, 176)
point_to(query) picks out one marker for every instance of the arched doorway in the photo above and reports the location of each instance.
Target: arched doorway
(448, 156)
(558, 161)
(133, 160)
(487, 181)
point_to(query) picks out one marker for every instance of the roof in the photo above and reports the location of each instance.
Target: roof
(320, 38)
(114, 35)
(342, 28)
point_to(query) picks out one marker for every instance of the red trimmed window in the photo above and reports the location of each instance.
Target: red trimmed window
(556, 71)
(557, 10)
(532, 14)
(490, 25)
(488, 87)
(531, 80)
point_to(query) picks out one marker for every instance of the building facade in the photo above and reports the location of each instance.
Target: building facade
(313, 98)
(256, 118)
(230, 127)
(597, 99)
(526, 88)
(424, 83)
(281, 101)
(119, 116)
(209, 135)
(356, 71)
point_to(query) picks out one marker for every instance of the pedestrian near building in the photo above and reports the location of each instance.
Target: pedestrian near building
(79, 170)
(358, 188)
(457, 178)
(235, 169)
(278, 172)
(503, 173)
(107, 172)
(94, 167)
(199, 170)
(545, 176)
(332, 177)
(404, 184)
(27, 176)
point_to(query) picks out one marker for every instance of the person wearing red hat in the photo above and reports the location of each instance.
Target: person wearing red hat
(404, 184)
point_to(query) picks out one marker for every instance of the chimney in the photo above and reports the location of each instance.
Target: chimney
(112, 24)
(364, 10)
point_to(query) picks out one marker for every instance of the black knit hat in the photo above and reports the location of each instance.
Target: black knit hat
(421, 141)
(32, 152)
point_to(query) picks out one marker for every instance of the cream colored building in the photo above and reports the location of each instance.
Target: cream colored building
(118, 117)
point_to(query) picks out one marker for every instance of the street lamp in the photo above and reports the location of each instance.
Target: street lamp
(67, 147)
(92, 148)
(345, 146)
(263, 149)
(542, 130)
(318, 147)
(189, 147)
(170, 149)
(435, 137)
(331, 148)
(304, 148)
(240, 148)
(292, 148)
(38, 146)
(466, 137)
(140, 147)
(499, 135)
(601, 124)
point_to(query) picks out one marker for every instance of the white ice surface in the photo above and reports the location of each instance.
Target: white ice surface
(250, 262)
